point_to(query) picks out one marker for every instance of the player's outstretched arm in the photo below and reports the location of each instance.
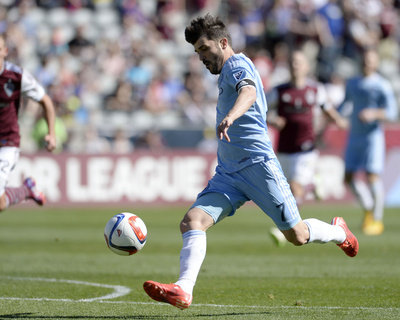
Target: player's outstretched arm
(246, 98)
(50, 115)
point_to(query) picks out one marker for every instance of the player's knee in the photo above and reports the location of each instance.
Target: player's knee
(196, 219)
(188, 224)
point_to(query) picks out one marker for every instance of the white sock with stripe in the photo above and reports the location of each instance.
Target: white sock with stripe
(192, 256)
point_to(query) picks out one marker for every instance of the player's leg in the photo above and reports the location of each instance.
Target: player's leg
(270, 191)
(13, 195)
(193, 227)
(302, 180)
(210, 207)
(360, 190)
(356, 157)
(373, 222)
(374, 166)
(179, 294)
(9, 196)
(7, 160)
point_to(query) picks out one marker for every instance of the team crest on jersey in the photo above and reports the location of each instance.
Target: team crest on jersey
(237, 75)
(9, 88)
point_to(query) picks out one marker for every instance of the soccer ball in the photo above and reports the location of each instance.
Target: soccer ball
(125, 234)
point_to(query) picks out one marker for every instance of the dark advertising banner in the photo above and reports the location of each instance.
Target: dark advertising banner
(173, 177)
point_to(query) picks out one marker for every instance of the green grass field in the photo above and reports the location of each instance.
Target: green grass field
(54, 264)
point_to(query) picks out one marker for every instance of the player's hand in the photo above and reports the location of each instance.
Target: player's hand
(367, 115)
(342, 123)
(222, 129)
(50, 142)
(279, 123)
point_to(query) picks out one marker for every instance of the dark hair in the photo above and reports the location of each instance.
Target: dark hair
(211, 27)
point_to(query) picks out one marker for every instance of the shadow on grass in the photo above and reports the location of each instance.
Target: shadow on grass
(33, 316)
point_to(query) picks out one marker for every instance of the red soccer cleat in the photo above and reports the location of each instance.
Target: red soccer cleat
(350, 245)
(168, 293)
(34, 194)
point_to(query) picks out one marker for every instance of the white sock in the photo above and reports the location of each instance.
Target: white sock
(363, 194)
(322, 232)
(192, 256)
(378, 193)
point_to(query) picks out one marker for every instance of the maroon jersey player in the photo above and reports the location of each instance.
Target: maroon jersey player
(14, 82)
(295, 107)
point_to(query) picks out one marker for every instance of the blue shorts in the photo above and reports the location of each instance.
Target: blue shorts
(365, 153)
(264, 183)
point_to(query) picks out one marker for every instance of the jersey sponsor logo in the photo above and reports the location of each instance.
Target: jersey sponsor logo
(244, 83)
(9, 88)
(237, 75)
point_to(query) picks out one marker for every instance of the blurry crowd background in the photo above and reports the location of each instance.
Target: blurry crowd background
(123, 78)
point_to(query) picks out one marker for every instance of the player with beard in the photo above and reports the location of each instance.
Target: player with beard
(247, 166)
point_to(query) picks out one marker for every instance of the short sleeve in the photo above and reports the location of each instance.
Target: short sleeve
(30, 87)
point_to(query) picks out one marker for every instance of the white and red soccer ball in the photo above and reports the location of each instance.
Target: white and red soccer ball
(125, 234)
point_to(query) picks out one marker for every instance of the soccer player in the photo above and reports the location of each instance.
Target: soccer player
(247, 166)
(295, 108)
(373, 102)
(15, 82)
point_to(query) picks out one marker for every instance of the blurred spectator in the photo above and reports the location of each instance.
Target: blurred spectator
(278, 23)
(151, 140)
(252, 20)
(121, 100)
(330, 26)
(94, 143)
(121, 143)
(302, 24)
(79, 43)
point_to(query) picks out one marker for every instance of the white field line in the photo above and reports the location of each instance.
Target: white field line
(120, 291)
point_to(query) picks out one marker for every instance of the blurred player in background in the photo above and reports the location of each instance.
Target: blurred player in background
(15, 82)
(294, 108)
(373, 101)
(247, 166)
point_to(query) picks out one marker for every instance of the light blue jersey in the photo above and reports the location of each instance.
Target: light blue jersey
(249, 135)
(369, 92)
(247, 166)
(366, 143)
